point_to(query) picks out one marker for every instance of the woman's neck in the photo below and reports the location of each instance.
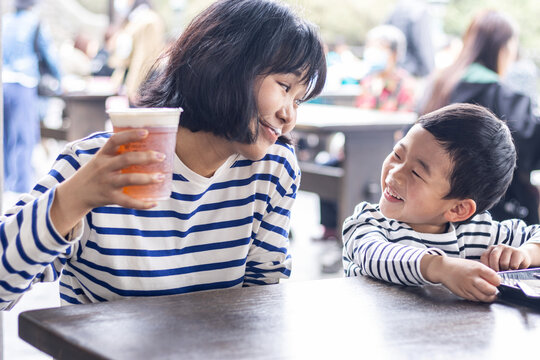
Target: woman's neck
(201, 151)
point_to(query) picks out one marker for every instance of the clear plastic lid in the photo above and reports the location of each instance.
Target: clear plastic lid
(145, 117)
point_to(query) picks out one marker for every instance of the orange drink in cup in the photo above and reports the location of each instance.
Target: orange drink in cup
(162, 125)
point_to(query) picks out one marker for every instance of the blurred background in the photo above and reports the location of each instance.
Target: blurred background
(93, 46)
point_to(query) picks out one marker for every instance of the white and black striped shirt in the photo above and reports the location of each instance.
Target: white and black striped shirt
(391, 250)
(226, 231)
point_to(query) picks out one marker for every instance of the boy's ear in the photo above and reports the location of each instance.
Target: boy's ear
(462, 210)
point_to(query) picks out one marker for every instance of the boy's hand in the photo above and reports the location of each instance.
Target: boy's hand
(504, 257)
(466, 278)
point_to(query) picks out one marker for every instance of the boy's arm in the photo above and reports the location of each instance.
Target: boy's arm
(368, 251)
(466, 278)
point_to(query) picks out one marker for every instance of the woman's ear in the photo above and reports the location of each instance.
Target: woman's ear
(462, 210)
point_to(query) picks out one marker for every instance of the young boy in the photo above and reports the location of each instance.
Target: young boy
(432, 224)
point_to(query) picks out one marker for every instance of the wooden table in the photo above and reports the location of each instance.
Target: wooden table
(369, 138)
(358, 318)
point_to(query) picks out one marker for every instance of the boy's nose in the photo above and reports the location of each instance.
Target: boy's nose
(397, 174)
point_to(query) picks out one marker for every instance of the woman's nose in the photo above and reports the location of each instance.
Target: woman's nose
(288, 113)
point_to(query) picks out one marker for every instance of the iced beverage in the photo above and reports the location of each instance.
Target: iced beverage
(162, 125)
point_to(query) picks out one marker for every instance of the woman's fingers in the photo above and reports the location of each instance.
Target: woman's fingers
(121, 138)
(129, 179)
(127, 201)
(127, 159)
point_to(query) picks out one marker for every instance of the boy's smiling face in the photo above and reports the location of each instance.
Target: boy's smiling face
(415, 179)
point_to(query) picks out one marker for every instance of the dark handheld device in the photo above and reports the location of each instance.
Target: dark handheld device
(521, 286)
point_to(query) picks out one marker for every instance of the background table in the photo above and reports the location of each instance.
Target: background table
(85, 113)
(325, 319)
(369, 138)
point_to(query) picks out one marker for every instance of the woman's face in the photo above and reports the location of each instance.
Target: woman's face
(278, 97)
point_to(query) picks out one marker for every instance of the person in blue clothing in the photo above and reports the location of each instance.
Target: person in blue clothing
(239, 70)
(24, 42)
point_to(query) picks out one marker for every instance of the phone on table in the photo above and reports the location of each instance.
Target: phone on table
(521, 286)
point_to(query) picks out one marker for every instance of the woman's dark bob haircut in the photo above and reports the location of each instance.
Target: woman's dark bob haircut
(211, 70)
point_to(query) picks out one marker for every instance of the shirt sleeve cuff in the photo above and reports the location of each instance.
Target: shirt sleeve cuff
(74, 234)
(430, 251)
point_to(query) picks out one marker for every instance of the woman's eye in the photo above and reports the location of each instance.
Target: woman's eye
(416, 174)
(396, 155)
(285, 86)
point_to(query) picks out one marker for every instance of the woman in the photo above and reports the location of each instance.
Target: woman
(235, 176)
(489, 47)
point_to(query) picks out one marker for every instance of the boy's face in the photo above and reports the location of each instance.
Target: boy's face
(414, 182)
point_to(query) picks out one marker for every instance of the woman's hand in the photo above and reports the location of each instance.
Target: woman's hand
(100, 181)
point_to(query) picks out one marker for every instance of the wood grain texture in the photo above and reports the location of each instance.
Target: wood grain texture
(332, 319)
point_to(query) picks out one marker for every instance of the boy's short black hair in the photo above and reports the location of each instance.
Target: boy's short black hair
(211, 69)
(481, 148)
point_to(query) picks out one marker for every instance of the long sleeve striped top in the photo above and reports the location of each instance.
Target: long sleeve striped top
(230, 230)
(391, 250)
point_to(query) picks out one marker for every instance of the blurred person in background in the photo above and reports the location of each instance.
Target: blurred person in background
(387, 86)
(136, 45)
(522, 76)
(413, 18)
(344, 68)
(490, 45)
(100, 62)
(25, 44)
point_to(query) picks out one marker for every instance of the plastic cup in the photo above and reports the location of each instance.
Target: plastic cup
(162, 125)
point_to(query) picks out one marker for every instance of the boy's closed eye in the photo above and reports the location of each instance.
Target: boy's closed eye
(414, 172)
(417, 175)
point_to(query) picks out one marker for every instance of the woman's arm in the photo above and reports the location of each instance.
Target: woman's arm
(41, 231)
(268, 259)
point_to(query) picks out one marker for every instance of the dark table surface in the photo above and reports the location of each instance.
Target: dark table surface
(324, 319)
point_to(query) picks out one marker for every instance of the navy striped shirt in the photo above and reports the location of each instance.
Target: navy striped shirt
(391, 250)
(226, 231)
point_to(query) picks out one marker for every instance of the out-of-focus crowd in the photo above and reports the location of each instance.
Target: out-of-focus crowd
(406, 63)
